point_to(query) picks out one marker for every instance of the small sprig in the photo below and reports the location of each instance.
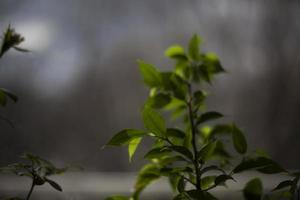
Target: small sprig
(37, 169)
(194, 154)
(11, 39)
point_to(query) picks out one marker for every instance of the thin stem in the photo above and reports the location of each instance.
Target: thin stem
(194, 145)
(31, 190)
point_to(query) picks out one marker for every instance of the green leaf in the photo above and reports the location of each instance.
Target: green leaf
(194, 51)
(54, 184)
(173, 180)
(283, 184)
(205, 132)
(181, 185)
(183, 68)
(182, 150)
(208, 116)
(150, 74)
(12, 168)
(175, 104)
(21, 49)
(133, 144)
(271, 169)
(177, 113)
(177, 108)
(211, 168)
(207, 151)
(167, 84)
(118, 197)
(159, 100)
(10, 40)
(207, 182)
(261, 153)
(221, 179)
(172, 82)
(176, 52)
(221, 129)
(253, 189)
(258, 164)
(38, 180)
(239, 140)
(179, 87)
(168, 160)
(221, 152)
(199, 97)
(125, 136)
(31, 157)
(147, 175)
(153, 121)
(176, 133)
(212, 63)
(157, 152)
(210, 66)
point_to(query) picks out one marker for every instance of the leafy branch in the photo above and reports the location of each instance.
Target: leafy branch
(185, 153)
(34, 167)
(37, 169)
(11, 39)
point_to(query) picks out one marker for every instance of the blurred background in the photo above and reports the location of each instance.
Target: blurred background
(81, 84)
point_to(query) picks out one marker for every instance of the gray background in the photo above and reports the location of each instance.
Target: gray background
(81, 84)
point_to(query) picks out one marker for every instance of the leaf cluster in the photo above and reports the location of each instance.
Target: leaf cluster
(11, 39)
(196, 155)
(37, 169)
